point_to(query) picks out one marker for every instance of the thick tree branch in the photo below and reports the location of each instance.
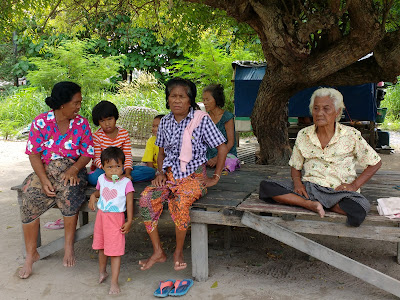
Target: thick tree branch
(364, 71)
(51, 14)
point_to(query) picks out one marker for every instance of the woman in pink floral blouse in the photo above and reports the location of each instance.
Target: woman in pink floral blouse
(59, 147)
(327, 152)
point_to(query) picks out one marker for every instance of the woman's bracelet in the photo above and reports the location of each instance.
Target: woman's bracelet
(219, 177)
(160, 172)
(75, 168)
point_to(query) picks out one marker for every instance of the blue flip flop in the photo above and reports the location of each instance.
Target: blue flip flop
(164, 288)
(181, 287)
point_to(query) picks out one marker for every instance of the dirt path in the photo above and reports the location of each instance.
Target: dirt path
(255, 267)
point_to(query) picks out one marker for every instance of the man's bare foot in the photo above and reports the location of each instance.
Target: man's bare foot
(179, 262)
(103, 277)
(317, 207)
(114, 289)
(69, 256)
(159, 257)
(26, 270)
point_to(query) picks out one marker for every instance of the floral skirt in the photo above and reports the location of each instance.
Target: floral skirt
(180, 195)
(68, 198)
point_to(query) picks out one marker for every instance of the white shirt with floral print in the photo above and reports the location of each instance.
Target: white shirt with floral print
(336, 163)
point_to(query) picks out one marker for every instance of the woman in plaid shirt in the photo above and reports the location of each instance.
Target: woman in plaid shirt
(181, 175)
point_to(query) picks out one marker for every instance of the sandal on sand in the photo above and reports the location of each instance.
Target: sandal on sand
(164, 288)
(181, 287)
(59, 224)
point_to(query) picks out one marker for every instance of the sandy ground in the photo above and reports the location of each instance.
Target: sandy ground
(255, 267)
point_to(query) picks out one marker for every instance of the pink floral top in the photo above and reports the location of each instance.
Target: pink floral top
(45, 138)
(336, 163)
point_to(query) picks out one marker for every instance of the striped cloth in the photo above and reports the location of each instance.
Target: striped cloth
(101, 141)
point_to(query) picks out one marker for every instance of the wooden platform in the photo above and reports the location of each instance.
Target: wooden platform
(234, 202)
(287, 223)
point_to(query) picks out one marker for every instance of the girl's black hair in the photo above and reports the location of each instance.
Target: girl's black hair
(112, 153)
(159, 117)
(190, 90)
(62, 93)
(102, 110)
(217, 91)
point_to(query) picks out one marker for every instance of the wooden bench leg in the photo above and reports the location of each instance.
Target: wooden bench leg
(199, 234)
(83, 218)
(227, 237)
(398, 251)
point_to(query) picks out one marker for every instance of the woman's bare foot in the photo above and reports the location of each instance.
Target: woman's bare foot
(69, 256)
(158, 257)
(114, 289)
(103, 277)
(179, 263)
(26, 270)
(317, 207)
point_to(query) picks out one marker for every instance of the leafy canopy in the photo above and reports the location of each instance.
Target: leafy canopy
(72, 61)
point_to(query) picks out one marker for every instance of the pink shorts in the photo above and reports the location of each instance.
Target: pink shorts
(107, 233)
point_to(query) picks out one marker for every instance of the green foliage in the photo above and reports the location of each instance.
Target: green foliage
(211, 64)
(72, 61)
(392, 102)
(144, 91)
(140, 46)
(7, 61)
(20, 107)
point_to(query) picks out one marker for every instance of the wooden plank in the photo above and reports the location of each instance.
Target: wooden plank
(227, 199)
(323, 253)
(367, 232)
(215, 217)
(199, 246)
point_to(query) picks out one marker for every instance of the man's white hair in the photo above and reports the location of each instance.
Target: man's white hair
(336, 97)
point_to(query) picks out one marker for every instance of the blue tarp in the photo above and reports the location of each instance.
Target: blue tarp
(360, 100)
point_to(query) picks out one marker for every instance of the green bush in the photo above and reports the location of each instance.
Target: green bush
(211, 64)
(392, 102)
(71, 61)
(7, 61)
(20, 107)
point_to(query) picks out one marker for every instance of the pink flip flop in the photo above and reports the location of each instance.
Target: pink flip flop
(59, 224)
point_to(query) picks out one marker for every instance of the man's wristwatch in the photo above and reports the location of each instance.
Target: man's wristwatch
(159, 172)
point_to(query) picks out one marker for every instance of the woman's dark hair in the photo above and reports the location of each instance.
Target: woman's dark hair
(112, 153)
(190, 90)
(217, 91)
(102, 110)
(62, 93)
(159, 117)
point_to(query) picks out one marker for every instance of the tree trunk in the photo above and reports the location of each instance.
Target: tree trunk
(270, 122)
(15, 52)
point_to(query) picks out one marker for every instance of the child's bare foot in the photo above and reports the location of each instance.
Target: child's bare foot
(114, 289)
(158, 257)
(179, 262)
(103, 277)
(26, 270)
(69, 256)
(317, 207)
